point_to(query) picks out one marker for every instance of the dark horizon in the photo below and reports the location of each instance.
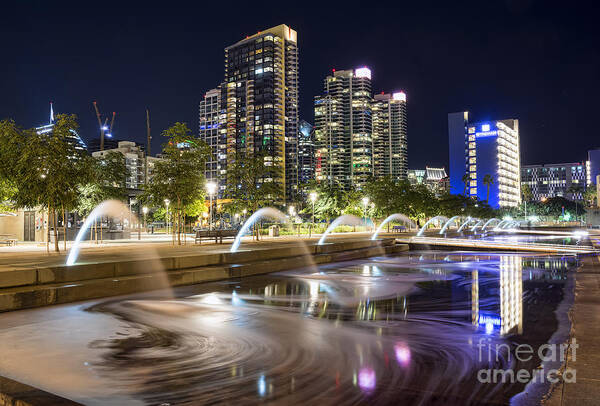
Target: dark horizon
(531, 60)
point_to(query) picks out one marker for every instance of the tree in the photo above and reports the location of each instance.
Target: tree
(465, 179)
(45, 169)
(590, 196)
(251, 183)
(179, 176)
(488, 181)
(526, 193)
(107, 181)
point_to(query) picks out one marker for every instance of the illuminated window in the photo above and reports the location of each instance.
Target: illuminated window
(471, 130)
(471, 137)
(473, 183)
(471, 152)
(471, 145)
(485, 127)
(473, 176)
(473, 168)
(473, 191)
(472, 160)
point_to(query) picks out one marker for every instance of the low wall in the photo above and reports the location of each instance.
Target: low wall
(32, 287)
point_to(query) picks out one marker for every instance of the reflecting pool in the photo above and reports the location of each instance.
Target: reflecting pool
(408, 329)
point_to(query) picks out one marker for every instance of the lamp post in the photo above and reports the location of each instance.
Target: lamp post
(145, 210)
(244, 213)
(211, 187)
(292, 211)
(365, 201)
(313, 199)
(167, 201)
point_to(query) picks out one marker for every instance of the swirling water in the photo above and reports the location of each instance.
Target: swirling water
(386, 330)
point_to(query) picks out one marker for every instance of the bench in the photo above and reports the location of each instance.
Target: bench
(8, 239)
(217, 235)
(398, 229)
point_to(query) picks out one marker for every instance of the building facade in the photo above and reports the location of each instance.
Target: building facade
(344, 129)
(258, 108)
(434, 178)
(358, 136)
(306, 154)
(390, 143)
(486, 150)
(135, 162)
(567, 180)
(213, 130)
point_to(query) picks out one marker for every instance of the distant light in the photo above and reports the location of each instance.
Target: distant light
(580, 233)
(104, 127)
(400, 96)
(109, 135)
(211, 187)
(313, 197)
(363, 73)
(485, 127)
(262, 386)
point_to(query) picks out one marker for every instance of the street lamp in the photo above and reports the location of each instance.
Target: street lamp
(167, 201)
(145, 210)
(365, 201)
(211, 187)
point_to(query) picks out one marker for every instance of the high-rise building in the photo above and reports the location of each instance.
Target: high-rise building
(390, 151)
(568, 180)
(109, 143)
(485, 148)
(344, 129)
(306, 153)
(258, 110)
(135, 162)
(593, 166)
(213, 131)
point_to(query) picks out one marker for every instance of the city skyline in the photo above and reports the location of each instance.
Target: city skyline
(137, 71)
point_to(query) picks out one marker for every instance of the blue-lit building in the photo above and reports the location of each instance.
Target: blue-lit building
(593, 166)
(485, 148)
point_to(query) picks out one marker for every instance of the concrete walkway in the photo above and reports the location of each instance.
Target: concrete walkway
(33, 255)
(585, 317)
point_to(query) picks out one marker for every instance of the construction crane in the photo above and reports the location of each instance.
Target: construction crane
(103, 127)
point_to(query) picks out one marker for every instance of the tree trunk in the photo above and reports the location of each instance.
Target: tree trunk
(64, 228)
(54, 215)
(47, 232)
(100, 229)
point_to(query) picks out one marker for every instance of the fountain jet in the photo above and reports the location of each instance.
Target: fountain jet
(346, 219)
(436, 218)
(265, 212)
(112, 208)
(395, 216)
(452, 220)
(487, 223)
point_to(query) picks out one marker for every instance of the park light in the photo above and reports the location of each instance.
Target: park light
(145, 209)
(365, 200)
(313, 197)
(167, 201)
(211, 187)
(292, 210)
(244, 211)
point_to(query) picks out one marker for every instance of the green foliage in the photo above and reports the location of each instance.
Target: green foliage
(179, 177)
(106, 181)
(45, 170)
(250, 185)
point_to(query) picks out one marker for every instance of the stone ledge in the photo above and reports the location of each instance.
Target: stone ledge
(13, 393)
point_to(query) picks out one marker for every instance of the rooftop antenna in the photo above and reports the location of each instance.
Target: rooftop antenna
(51, 114)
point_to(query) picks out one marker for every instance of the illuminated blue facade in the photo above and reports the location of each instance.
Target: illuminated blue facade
(485, 148)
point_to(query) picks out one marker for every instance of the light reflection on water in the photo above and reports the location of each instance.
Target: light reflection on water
(379, 330)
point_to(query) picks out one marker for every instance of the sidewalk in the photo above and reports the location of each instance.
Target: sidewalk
(32, 255)
(585, 318)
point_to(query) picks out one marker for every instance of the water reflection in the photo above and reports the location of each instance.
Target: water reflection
(389, 329)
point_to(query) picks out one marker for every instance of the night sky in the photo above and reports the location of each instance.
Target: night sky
(538, 61)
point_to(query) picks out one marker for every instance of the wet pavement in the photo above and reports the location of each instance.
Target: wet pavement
(414, 329)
